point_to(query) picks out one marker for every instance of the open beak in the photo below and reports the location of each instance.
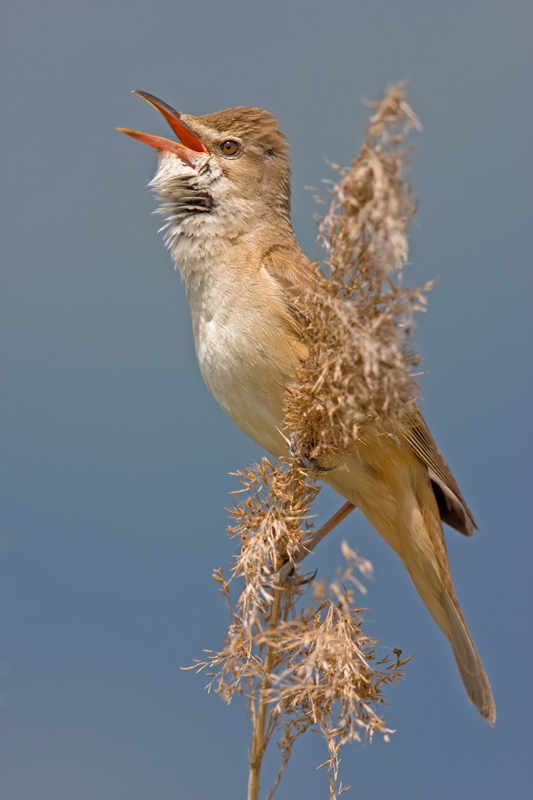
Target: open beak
(189, 143)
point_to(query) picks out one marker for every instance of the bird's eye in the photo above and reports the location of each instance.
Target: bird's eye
(230, 148)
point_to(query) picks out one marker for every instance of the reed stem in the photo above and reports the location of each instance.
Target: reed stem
(259, 719)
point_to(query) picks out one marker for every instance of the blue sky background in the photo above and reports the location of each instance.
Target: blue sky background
(115, 458)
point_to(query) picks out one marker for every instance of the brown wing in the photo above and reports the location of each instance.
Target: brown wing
(452, 506)
(291, 270)
(290, 273)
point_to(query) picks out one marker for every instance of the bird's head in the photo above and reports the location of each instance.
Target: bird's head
(230, 168)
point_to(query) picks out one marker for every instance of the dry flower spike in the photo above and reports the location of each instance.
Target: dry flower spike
(310, 666)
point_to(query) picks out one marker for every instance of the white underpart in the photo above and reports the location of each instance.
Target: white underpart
(227, 323)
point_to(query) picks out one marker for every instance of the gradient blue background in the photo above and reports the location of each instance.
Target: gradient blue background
(115, 457)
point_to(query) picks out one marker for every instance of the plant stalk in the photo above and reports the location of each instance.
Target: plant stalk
(258, 737)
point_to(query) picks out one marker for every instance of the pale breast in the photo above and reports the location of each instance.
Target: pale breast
(245, 355)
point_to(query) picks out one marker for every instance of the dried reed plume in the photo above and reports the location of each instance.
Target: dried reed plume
(359, 366)
(308, 666)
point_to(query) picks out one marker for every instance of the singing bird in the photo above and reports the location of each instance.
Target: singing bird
(225, 193)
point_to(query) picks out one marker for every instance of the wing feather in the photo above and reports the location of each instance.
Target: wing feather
(452, 505)
(289, 275)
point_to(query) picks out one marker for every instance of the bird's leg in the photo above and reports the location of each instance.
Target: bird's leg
(286, 575)
(317, 536)
(303, 458)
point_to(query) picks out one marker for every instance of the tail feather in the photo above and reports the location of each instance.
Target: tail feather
(397, 497)
(435, 585)
(439, 598)
(469, 663)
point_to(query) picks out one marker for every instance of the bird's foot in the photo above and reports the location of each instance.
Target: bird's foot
(303, 458)
(286, 576)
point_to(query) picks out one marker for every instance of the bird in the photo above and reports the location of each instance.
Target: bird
(224, 188)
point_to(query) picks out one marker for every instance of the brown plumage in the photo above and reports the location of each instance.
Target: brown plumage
(229, 232)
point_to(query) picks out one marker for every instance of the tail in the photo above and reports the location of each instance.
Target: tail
(429, 569)
(438, 595)
(397, 498)
(468, 662)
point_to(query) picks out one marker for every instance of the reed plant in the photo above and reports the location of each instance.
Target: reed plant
(296, 650)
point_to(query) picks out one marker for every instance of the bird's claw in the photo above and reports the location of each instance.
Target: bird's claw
(312, 463)
(287, 576)
(304, 460)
